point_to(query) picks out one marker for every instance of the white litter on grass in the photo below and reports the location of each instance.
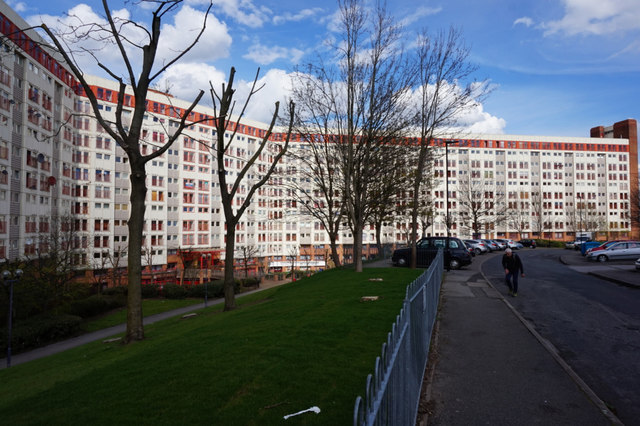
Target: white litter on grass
(314, 409)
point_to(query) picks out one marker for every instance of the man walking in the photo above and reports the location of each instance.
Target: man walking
(512, 266)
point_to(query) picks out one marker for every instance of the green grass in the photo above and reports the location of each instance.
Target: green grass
(149, 307)
(284, 350)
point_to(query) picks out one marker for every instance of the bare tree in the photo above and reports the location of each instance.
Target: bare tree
(543, 221)
(253, 175)
(100, 270)
(478, 203)
(292, 257)
(317, 187)
(582, 215)
(247, 253)
(518, 219)
(369, 105)
(56, 259)
(126, 130)
(443, 66)
(393, 178)
(115, 269)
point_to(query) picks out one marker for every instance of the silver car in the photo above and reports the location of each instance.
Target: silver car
(618, 251)
(479, 247)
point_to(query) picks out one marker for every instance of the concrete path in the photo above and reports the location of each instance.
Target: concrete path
(493, 368)
(115, 330)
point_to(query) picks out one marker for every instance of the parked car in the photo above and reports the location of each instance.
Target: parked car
(586, 246)
(638, 264)
(470, 249)
(479, 247)
(576, 243)
(618, 251)
(491, 245)
(513, 245)
(603, 246)
(455, 252)
(528, 243)
(502, 245)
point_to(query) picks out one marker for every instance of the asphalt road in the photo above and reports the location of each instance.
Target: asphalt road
(594, 324)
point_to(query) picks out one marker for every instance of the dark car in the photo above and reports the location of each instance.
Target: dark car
(528, 243)
(455, 252)
(470, 248)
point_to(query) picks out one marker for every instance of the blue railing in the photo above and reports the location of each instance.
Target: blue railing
(393, 391)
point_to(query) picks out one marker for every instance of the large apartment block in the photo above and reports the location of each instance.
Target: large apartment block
(60, 170)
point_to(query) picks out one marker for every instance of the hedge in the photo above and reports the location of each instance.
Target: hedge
(39, 331)
(95, 305)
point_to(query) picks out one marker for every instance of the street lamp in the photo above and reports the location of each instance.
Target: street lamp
(9, 279)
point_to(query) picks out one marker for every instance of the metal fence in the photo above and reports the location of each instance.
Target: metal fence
(393, 391)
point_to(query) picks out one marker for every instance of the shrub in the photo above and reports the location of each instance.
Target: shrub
(95, 305)
(215, 289)
(174, 291)
(150, 291)
(113, 291)
(39, 331)
(197, 291)
(249, 283)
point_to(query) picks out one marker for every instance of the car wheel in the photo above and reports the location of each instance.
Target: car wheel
(454, 264)
(602, 258)
(402, 261)
(478, 251)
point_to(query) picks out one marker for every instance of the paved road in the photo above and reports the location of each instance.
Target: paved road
(595, 324)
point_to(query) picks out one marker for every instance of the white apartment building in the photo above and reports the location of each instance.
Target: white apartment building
(557, 186)
(56, 161)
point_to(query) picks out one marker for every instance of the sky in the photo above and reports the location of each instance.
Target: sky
(557, 67)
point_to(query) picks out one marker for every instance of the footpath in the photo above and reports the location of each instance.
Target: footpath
(490, 366)
(110, 332)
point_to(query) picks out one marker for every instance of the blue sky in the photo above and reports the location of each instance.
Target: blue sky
(559, 67)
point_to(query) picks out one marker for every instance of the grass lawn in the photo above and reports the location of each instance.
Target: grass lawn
(149, 307)
(285, 349)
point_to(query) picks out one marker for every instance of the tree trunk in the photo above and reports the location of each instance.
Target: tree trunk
(357, 248)
(379, 239)
(229, 281)
(334, 251)
(135, 330)
(422, 156)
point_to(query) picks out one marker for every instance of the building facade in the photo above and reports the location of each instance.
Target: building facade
(60, 171)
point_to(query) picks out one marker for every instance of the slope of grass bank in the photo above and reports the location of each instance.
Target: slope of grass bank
(149, 307)
(308, 343)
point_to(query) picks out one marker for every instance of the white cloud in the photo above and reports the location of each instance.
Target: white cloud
(525, 20)
(86, 23)
(19, 7)
(264, 55)
(596, 17)
(185, 80)
(276, 87)
(477, 121)
(295, 17)
(420, 13)
(334, 21)
(243, 12)
(175, 37)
